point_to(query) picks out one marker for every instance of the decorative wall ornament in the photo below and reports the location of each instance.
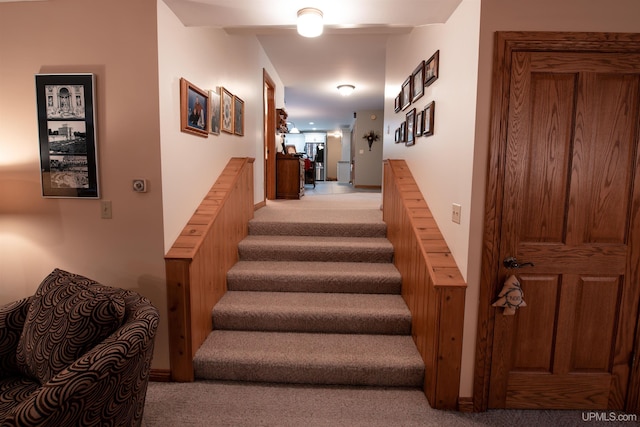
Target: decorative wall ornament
(510, 297)
(370, 137)
(66, 124)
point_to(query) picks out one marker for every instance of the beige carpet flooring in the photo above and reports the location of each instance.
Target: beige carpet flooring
(240, 404)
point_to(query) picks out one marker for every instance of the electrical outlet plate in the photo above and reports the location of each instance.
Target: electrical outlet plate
(456, 212)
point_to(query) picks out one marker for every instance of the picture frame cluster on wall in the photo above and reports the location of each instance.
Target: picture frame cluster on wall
(418, 121)
(67, 135)
(210, 112)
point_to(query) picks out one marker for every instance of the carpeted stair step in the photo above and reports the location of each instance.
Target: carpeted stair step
(305, 358)
(310, 276)
(355, 229)
(321, 249)
(309, 312)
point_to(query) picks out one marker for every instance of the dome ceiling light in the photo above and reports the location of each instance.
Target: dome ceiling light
(346, 90)
(310, 22)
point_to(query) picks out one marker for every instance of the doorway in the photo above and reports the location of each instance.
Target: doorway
(562, 199)
(269, 147)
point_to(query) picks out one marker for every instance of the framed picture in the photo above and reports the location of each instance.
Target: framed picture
(67, 135)
(431, 69)
(397, 137)
(406, 93)
(397, 106)
(429, 115)
(403, 132)
(214, 108)
(238, 116)
(419, 122)
(194, 109)
(226, 109)
(411, 122)
(290, 149)
(417, 82)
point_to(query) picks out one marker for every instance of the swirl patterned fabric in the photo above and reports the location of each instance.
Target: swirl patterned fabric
(12, 317)
(106, 386)
(68, 315)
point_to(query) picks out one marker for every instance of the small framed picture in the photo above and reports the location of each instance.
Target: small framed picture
(226, 110)
(397, 137)
(431, 69)
(429, 116)
(403, 132)
(194, 109)
(406, 93)
(397, 106)
(417, 82)
(419, 123)
(214, 108)
(238, 116)
(66, 105)
(411, 121)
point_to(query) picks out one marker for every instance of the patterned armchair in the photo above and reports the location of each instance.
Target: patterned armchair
(76, 353)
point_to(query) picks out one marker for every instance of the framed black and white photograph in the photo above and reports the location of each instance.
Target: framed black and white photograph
(214, 108)
(238, 116)
(226, 109)
(417, 83)
(194, 109)
(67, 135)
(403, 132)
(429, 118)
(431, 69)
(411, 122)
(406, 93)
(419, 123)
(397, 136)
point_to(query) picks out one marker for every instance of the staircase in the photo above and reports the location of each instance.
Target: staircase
(313, 299)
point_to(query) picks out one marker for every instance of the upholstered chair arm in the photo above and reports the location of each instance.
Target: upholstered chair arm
(106, 386)
(12, 317)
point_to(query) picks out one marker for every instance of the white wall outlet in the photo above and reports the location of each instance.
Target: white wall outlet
(105, 209)
(140, 185)
(455, 213)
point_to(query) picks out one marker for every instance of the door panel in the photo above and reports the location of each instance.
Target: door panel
(570, 207)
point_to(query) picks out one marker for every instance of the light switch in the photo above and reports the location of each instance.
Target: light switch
(105, 209)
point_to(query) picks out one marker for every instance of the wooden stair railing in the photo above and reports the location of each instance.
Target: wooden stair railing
(197, 263)
(432, 285)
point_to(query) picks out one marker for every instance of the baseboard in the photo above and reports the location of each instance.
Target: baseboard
(160, 375)
(465, 404)
(259, 205)
(369, 187)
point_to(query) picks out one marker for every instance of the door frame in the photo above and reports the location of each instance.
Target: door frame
(505, 44)
(269, 146)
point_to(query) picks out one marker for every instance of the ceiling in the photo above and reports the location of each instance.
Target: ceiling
(351, 50)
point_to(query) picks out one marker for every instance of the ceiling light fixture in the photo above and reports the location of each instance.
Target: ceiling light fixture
(345, 90)
(309, 22)
(294, 129)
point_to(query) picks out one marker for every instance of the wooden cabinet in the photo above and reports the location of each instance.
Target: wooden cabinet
(289, 177)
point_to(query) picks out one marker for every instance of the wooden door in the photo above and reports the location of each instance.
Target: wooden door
(570, 205)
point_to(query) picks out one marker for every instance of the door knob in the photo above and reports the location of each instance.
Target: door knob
(512, 262)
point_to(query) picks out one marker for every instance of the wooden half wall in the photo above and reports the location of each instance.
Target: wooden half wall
(197, 263)
(432, 285)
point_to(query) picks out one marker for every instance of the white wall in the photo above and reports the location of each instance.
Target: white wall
(208, 58)
(442, 164)
(117, 44)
